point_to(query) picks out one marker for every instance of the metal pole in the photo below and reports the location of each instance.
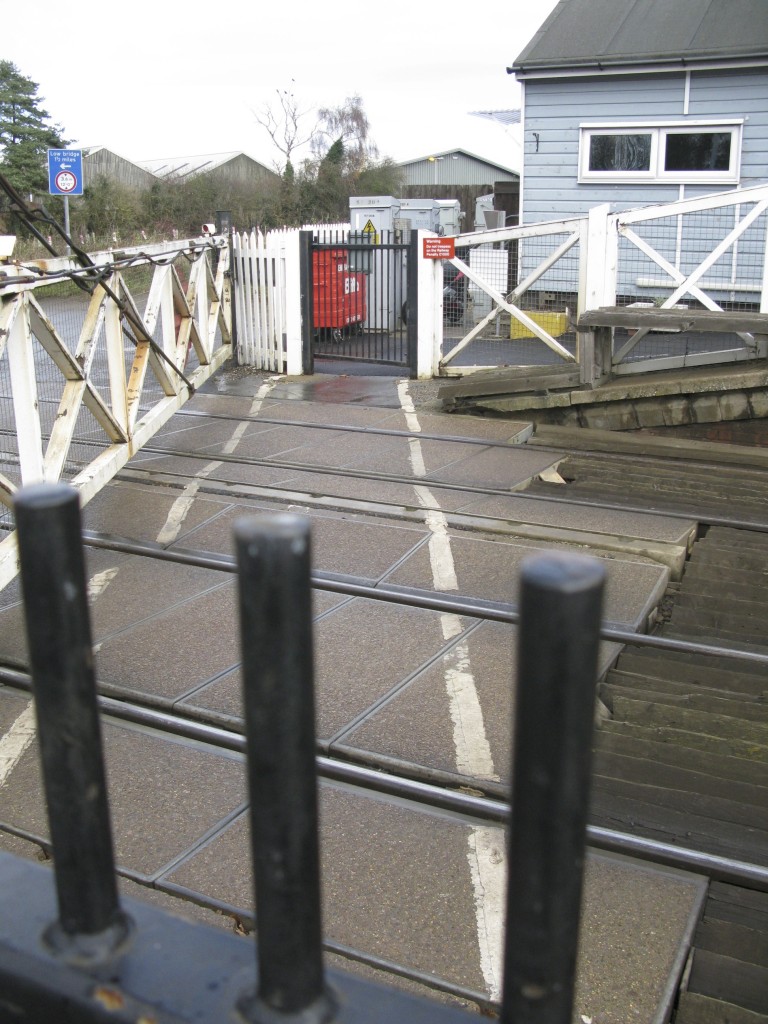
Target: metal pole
(274, 560)
(66, 223)
(412, 299)
(561, 600)
(307, 303)
(64, 686)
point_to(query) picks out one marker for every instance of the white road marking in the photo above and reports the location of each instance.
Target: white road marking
(22, 731)
(181, 507)
(99, 582)
(486, 853)
(487, 864)
(15, 742)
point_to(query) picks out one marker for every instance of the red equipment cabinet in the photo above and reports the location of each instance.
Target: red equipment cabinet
(338, 292)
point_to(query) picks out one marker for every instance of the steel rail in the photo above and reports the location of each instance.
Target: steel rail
(422, 436)
(409, 596)
(470, 806)
(354, 429)
(701, 518)
(412, 597)
(704, 519)
(460, 438)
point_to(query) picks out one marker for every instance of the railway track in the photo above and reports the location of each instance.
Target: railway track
(685, 752)
(681, 759)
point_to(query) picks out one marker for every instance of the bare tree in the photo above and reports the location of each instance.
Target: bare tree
(346, 124)
(285, 123)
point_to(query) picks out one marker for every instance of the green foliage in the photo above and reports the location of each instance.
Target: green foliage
(108, 208)
(379, 179)
(26, 132)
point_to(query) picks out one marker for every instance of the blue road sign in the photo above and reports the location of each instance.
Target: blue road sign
(65, 172)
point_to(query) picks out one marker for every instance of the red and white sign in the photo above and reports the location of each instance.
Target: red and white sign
(66, 182)
(439, 248)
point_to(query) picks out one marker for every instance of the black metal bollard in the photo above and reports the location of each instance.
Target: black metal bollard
(274, 562)
(561, 604)
(91, 924)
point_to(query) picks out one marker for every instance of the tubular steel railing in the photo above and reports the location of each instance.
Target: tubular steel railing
(70, 950)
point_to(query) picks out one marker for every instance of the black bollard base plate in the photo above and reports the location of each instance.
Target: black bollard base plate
(170, 971)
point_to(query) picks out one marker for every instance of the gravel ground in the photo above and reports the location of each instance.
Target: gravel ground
(424, 394)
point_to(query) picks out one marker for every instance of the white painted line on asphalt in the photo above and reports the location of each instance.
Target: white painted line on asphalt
(15, 742)
(440, 554)
(22, 731)
(99, 582)
(181, 507)
(486, 856)
(487, 863)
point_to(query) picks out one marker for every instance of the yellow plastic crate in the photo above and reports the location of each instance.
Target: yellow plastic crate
(553, 323)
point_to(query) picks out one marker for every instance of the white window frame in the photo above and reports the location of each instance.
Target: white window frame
(659, 130)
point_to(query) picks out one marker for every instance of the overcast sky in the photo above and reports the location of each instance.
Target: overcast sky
(153, 78)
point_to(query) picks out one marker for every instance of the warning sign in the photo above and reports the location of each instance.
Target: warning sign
(65, 172)
(439, 248)
(370, 229)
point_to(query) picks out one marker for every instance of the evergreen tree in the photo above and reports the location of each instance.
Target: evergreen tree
(26, 132)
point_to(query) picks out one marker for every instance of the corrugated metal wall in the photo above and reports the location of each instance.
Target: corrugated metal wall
(454, 169)
(105, 163)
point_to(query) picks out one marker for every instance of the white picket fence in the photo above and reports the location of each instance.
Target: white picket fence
(266, 273)
(267, 278)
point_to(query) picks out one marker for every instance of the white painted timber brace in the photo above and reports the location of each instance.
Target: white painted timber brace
(603, 273)
(117, 344)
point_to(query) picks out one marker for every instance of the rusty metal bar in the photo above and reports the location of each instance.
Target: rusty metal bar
(90, 922)
(561, 602)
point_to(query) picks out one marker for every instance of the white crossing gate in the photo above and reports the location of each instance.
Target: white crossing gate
(267, 299)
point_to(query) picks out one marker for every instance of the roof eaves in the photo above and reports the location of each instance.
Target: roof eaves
(648, 61)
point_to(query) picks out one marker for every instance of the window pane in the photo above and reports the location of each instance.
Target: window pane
(699, 151)
(619, 152)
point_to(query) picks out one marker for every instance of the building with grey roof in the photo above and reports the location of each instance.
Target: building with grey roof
(454, 167)
(459, 174)
(233, 167)
(100, 162)
(635, 102)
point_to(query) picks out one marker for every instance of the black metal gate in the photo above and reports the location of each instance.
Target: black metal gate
(360, 292)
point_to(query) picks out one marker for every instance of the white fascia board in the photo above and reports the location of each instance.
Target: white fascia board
(663, 67)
